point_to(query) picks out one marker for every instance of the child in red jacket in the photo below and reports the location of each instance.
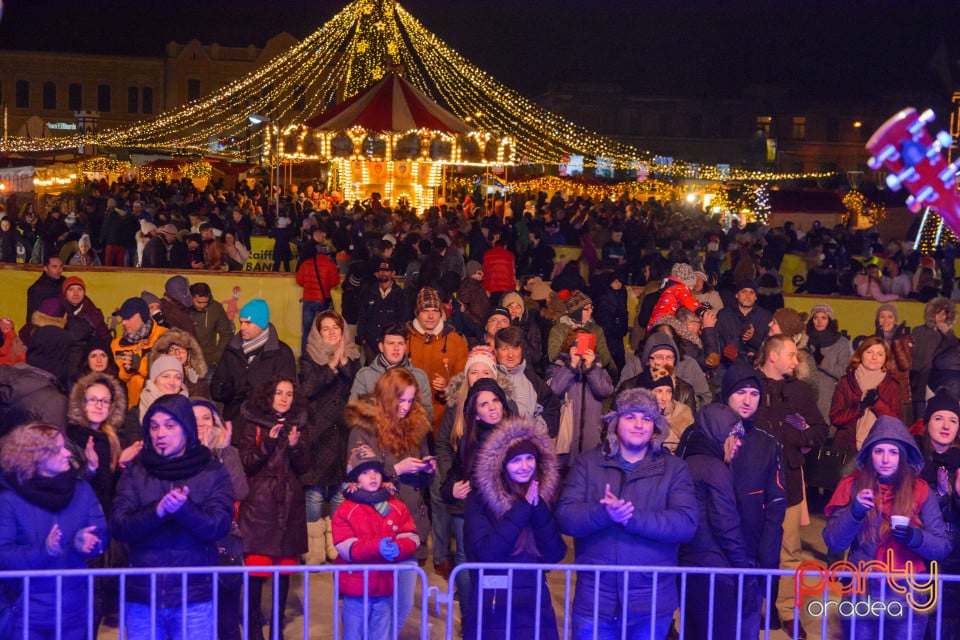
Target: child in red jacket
(371, 526)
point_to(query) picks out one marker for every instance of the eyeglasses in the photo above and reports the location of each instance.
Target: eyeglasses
(98, 402)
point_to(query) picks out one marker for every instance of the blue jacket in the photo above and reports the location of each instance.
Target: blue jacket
(664, 517)
(23, 534)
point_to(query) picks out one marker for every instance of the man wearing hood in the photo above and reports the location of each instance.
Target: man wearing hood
(628, 499)
(172, 504)
(393, 353)
(254, 357)
(659, 348)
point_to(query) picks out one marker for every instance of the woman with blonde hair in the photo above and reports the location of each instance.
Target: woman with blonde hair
(866, 392)
(393, 422)
(51, 520)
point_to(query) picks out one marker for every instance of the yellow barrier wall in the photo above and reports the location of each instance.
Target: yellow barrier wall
(109, 287)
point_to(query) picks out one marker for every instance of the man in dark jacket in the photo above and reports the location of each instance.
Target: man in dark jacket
(210, 322)
(381, 304)
(254, 357)
(176, 303)
(82, 307)
(48, 285)
(759, 479)
(173, 503)
(789, 411)
(165, 251)
(626, 502)
(742, 329)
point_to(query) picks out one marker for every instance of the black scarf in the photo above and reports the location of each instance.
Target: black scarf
(182, 467)
(50, 494)
(950, 459)
(822, 339)
(371, 498)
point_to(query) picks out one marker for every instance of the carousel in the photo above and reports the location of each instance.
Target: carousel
(393, 140)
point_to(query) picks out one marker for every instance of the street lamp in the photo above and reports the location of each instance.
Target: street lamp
(256, 118)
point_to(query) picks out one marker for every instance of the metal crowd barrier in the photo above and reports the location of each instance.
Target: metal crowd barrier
(817, 585)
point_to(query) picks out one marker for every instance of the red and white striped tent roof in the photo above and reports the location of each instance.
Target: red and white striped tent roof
(391, 104)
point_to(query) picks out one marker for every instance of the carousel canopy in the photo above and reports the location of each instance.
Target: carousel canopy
(391, 104)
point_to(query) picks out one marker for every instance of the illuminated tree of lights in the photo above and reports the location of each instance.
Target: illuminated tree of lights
(355, 48)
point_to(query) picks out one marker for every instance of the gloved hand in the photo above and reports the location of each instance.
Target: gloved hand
(910, 536)
(730, 352)
(870, 399)
(859, 509)
(389, 549)
(796, 421)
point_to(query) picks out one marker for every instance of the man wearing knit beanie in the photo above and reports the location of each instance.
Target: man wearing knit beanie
(254, 357)
(435, 347)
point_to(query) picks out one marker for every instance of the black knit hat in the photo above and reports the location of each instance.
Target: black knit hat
(943, 400)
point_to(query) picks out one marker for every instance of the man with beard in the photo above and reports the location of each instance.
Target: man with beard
(742, 329)
(393, 353)
(381, 304)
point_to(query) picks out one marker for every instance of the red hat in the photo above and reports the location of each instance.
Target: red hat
(69, 282)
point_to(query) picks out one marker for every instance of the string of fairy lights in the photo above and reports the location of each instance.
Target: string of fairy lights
(353, 49)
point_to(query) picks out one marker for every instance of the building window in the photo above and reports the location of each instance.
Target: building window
(798, 129)
(133, 99)
(23, 94)
(74, 96)
(193, 89)
(764, 126)
(49, 95)
(148, 99)
(103, 97)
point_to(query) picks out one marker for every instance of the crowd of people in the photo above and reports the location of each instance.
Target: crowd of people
(472, 399)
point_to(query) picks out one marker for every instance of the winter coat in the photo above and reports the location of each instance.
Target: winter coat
(475, 301)
(174, 315)
(532, 341)
(93, 315)
(273, 518)
(547, 403)
(366, 380)
(44, 287)
(845, 409)
(29, 394)
(12, 348)
(731, 325)
(214, 331)
(307, 278)
(357, 531)
(444, 355)
(377, 312)
(195, 370)
(719, 541)
(842, 529)
(564, 326)
(24, 527)
(780, 399)
(140, 369)
(831, 362)
(500, 526)
(567, 385)
(411, 487)
(237, 375)
(928, 343)
(327, 392)
(676, 295)
(188, 538)
(610, 312)
(498, 270)
(665, 517)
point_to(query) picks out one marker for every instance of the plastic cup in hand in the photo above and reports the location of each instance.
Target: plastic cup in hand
(899, 521)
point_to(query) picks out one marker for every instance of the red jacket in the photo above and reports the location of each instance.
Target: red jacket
(307, 278)
(357, 531)
(498, 270)
(845, 408)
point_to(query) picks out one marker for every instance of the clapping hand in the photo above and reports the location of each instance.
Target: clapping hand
(461, 489)
(86, 540)
(943, 480)
(533, 493)
(53, 540)
(171, 503)
(620, 511)
(293, 436)
(93, 460)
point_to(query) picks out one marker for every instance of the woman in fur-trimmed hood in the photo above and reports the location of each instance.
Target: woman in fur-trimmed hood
(509, 518)
(194, 364)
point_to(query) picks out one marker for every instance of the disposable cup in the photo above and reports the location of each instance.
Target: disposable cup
(899, 521)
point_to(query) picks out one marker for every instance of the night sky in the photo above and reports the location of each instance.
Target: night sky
(819, 48)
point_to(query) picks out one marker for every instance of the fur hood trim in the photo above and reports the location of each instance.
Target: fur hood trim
(362, 413)
(118, 408)
(492, 458)
(930, 312)
(39, 319)
(453, 388)
(173, 335)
